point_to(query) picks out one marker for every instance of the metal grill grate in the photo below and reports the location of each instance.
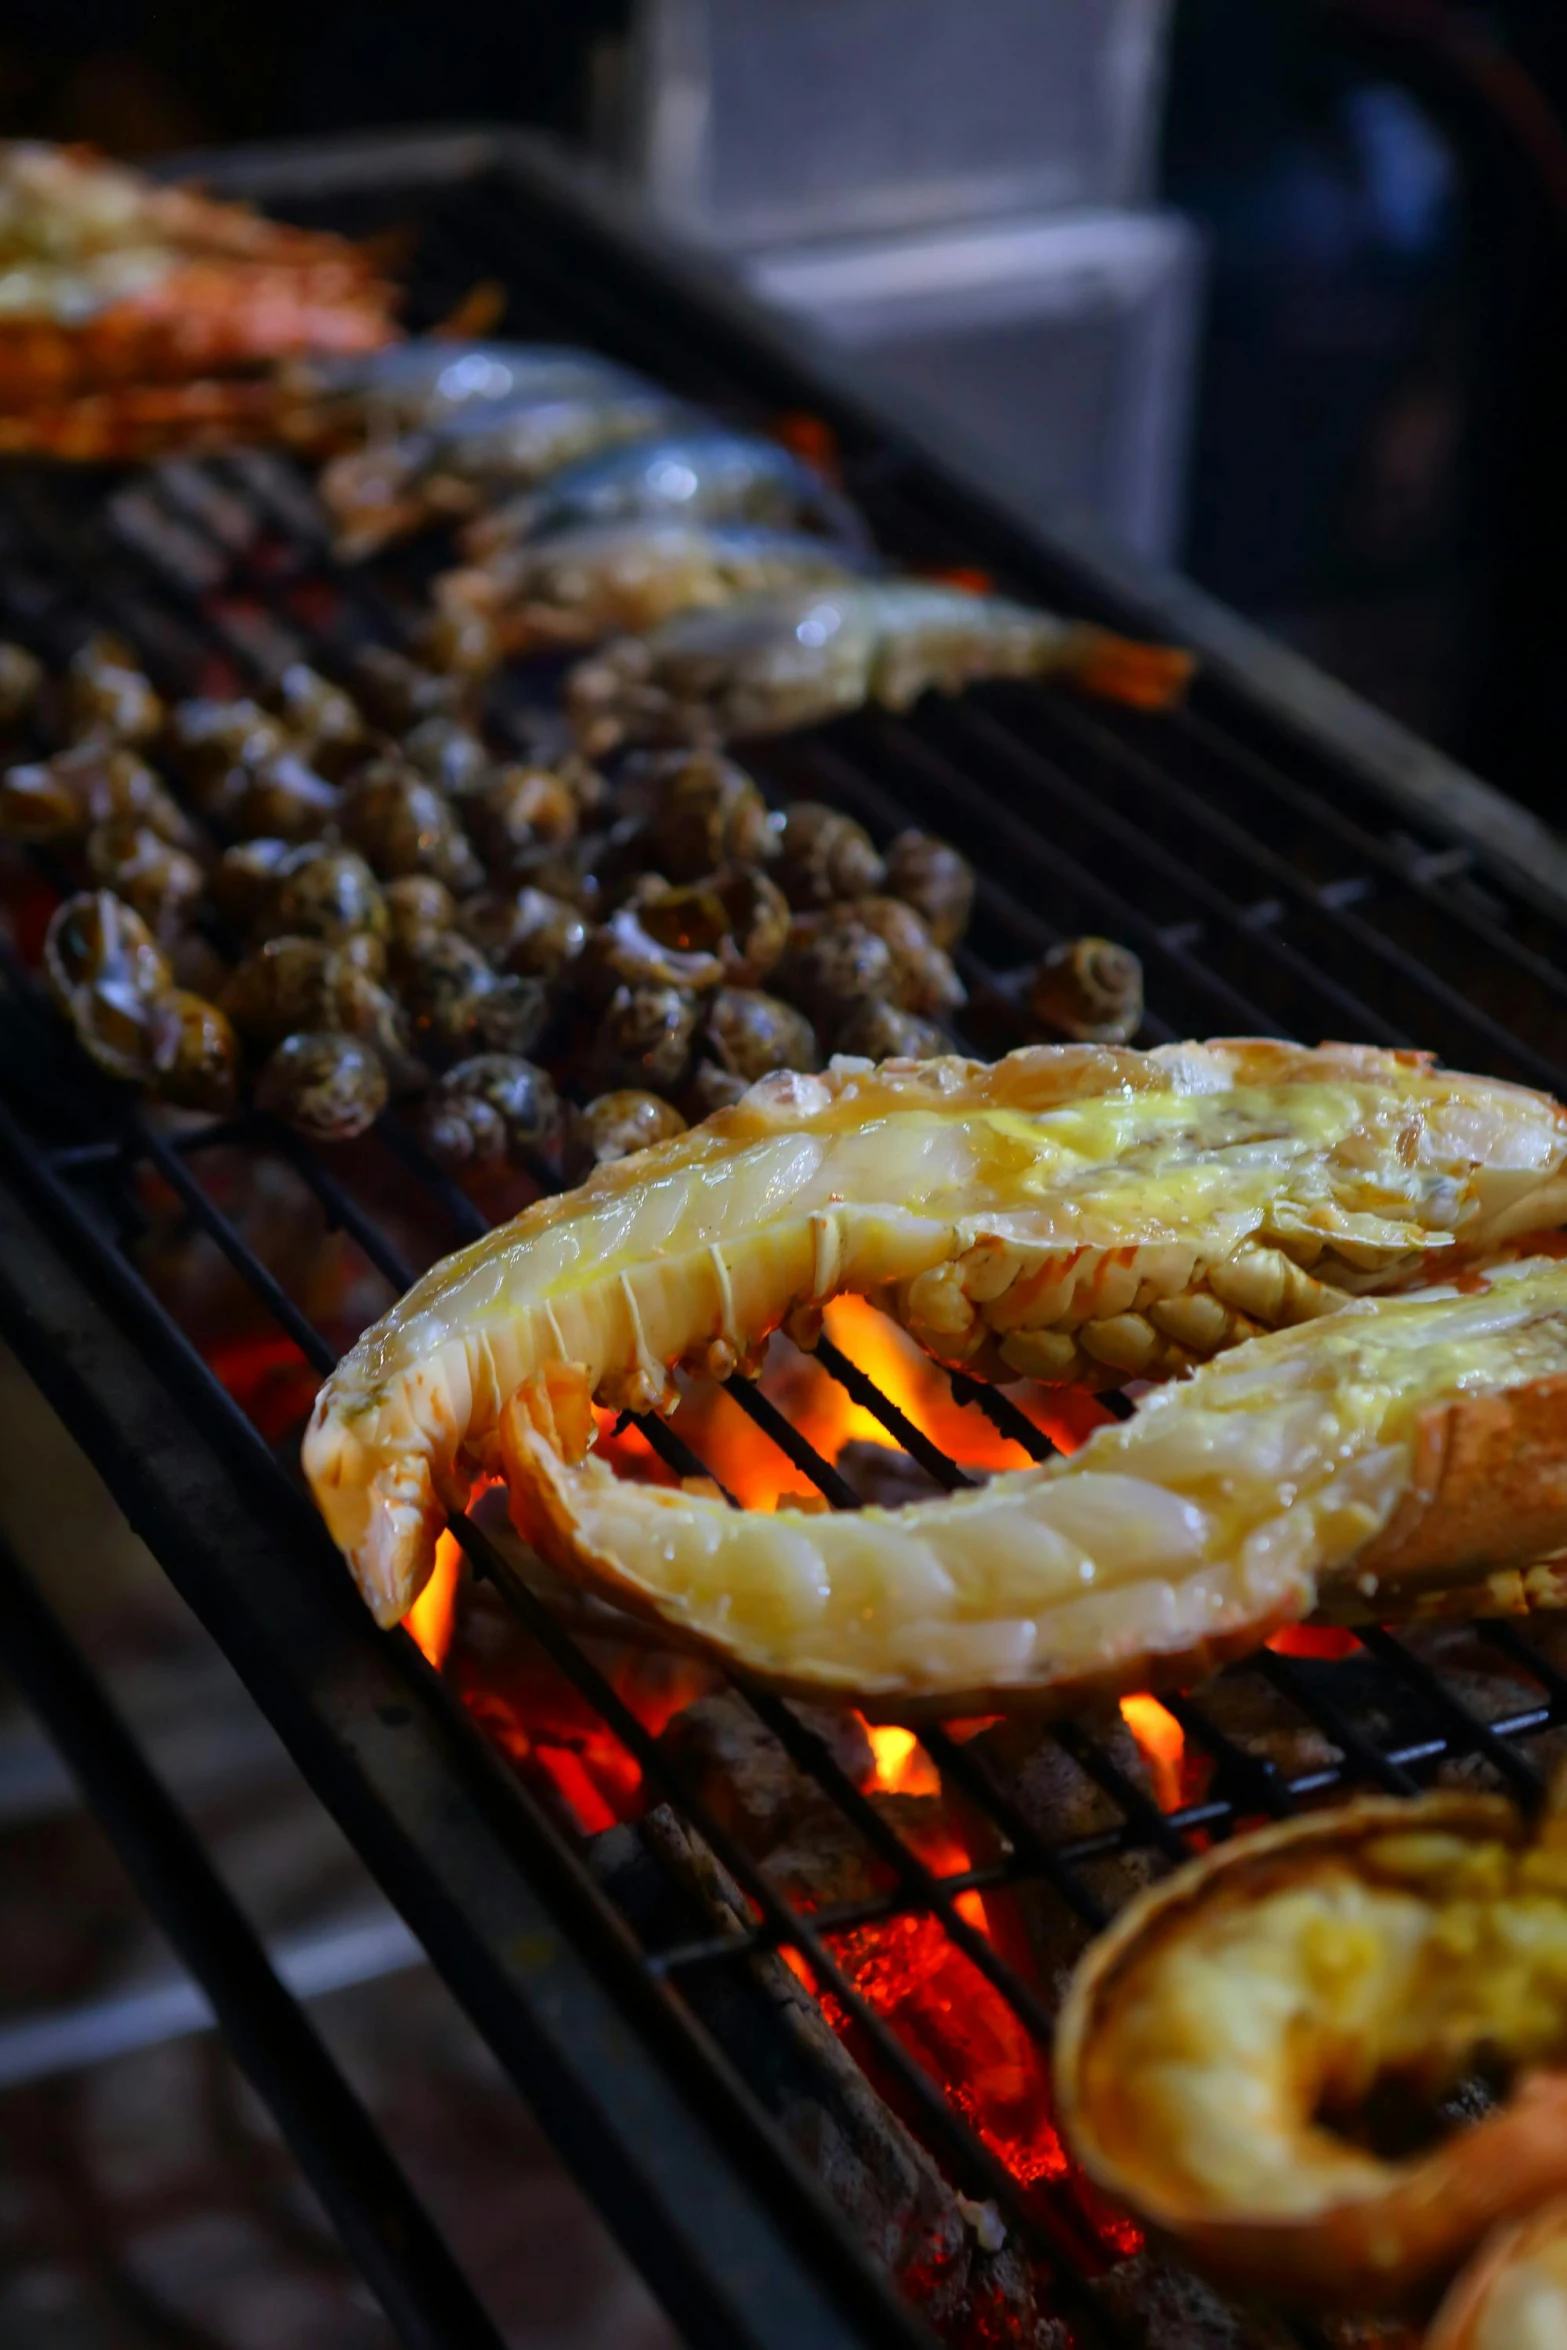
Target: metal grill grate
(1270, 888)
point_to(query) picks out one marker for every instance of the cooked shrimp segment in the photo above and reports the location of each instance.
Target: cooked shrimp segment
(1513, 2295)
(1166, 1544)
(1072, 1210)
(1221, 2042)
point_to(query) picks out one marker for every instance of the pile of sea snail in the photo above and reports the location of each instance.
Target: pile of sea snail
(403, 915)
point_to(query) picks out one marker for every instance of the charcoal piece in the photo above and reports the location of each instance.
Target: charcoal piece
(1053, 1793)
(1158, 2306)
(884, 1478)
(1264, 1723)
(1060, 1801)
(671, 1888)
(824, 1858)
(732, 1761)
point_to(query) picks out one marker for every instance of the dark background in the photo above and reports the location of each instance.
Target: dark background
(1378, 470)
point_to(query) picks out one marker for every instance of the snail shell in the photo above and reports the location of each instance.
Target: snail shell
(1089, 989)
(613, 1126)
(328, 893)
(749, 1034)
(489, 1112)
(325, 1085)
(935, 880)
(824, 855)
(162, 883)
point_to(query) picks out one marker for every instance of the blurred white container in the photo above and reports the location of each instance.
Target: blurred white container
(751, 122)
(1061, 349)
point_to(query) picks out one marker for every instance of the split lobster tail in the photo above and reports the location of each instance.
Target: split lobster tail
(1164, 1546)
(1513, 2294)
(1222, 2043)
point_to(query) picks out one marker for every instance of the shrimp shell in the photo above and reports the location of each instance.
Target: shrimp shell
(447, 467)
(607, 577)
(767, 663)
(707, 475)
(1051, 1210)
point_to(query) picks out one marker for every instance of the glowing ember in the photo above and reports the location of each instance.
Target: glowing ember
(1324, 1640)
(958, 2030)
(268, 1378)
(434, 1613)
(1162, 1743)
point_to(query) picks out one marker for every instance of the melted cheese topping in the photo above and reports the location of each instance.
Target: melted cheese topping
(1397, 1164)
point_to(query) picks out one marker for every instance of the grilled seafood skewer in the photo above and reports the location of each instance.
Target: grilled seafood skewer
(1513, 2295)
(1068, 1207)
(606, 577)
(1219, 2039)
(799, 656)
(709, 474)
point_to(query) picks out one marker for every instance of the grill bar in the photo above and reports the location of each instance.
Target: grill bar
(1276, 879)
(729, 2230)
(1055, 2230)
(865, 1392)
(340, 2151)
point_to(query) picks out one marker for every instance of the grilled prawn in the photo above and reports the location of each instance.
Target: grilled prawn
(107, 279)
(320, 405)
(710, 474)
(1220, 2042)
(335, 397)
(1072, 1208)
(607, 577)
(466, 454)
(798, 656)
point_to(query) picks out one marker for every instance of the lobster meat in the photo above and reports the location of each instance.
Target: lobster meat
(1070, 1210)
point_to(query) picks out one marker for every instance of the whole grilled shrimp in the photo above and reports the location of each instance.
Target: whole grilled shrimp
(604, 578)
(799, 656)
(708, 474)
(110, 281)
(447, 467)
(327, 398)
(1069, 1212)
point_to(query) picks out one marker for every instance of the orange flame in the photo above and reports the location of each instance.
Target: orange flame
(902, 1765)
(433, 1615)
(761, 1477)
(1162, 1742)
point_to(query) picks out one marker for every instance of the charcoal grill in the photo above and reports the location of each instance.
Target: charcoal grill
(1283, 861)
